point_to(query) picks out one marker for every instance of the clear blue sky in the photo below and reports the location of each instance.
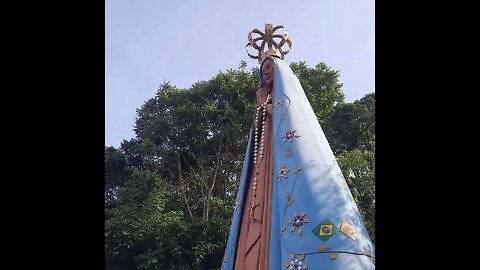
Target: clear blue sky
(149, 41)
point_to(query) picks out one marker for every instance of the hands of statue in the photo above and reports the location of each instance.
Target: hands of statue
(261, 96)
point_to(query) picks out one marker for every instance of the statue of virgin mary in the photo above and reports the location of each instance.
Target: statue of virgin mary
(294, 209)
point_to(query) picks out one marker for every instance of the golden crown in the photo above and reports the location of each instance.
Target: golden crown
(274, 48)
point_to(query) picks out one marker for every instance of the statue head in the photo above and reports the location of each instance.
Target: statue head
(267, 71)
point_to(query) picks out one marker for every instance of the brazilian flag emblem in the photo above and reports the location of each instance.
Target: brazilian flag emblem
(325, 230)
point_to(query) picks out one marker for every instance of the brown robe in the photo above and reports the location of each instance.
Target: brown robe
(254, 238)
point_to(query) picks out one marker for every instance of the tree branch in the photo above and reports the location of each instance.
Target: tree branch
(184, 193)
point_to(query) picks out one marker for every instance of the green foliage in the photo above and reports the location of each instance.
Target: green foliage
(115, 175)
(322, 87)
(351, 133)
(170, 192)
(358, 167)
(352, 125)
(139, 205)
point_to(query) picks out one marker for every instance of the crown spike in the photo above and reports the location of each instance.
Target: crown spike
(274, 48)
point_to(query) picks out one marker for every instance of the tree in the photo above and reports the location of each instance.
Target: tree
(200, 135)
(358, 167)
(322, 87)
(352, 125)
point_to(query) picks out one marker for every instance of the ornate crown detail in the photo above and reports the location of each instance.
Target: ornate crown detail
(274, 48)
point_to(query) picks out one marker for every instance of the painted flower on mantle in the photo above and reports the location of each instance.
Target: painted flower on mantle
(282, 173)
(298, 221)
(296, 264)
(290, 135)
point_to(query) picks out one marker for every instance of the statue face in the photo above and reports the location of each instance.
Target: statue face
(267, 73)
